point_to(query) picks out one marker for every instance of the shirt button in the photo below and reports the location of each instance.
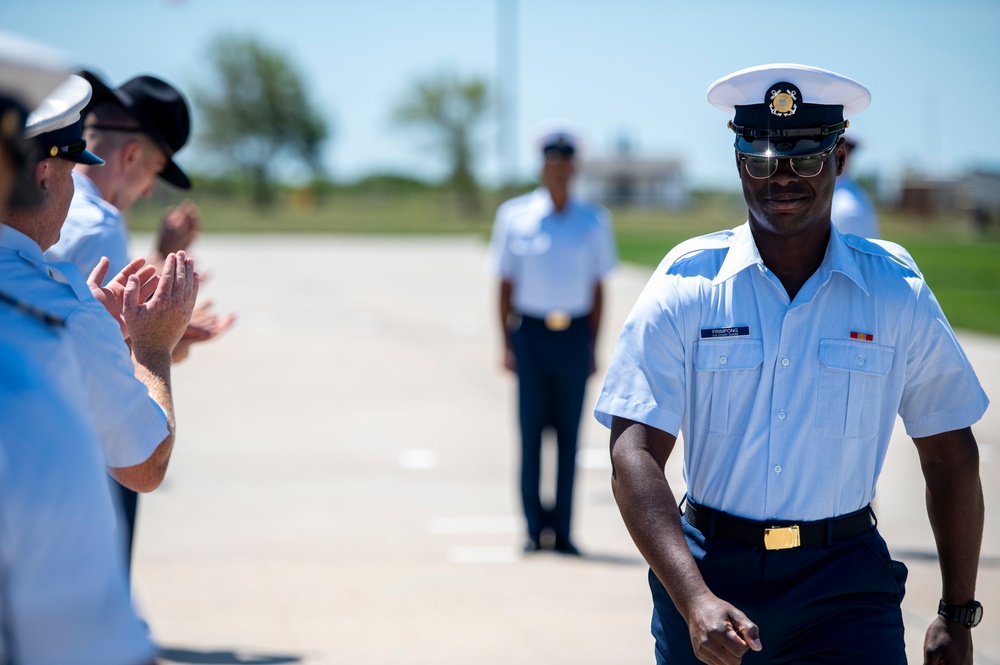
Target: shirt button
(777, 469)
(723, 360)
(784, 362)
(861, 361)
(781, 415)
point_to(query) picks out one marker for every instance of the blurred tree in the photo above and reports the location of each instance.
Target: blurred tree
(449, 109)
(256, 112)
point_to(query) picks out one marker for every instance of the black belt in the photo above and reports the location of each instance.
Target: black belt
(778, 535)
(555, 321)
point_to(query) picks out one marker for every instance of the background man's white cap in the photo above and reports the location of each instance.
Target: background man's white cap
(559, 136)
(787, 109)
(56, 125)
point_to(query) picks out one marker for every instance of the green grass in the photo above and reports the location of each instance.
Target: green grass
(963, 269)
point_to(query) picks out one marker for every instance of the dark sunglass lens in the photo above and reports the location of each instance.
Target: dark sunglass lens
(808, 166)
(760, 167)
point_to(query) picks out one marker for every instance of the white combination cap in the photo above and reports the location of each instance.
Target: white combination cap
(56, 125)
(787, 109)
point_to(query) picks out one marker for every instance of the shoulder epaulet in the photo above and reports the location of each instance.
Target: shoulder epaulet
(32, 311)
(883, 248)
(695, 247)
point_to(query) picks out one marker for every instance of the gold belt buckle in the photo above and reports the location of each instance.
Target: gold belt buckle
(781, 538)
(557, 321)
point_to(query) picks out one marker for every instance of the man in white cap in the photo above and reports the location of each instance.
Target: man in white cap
(783, 350)
(131, 403)
(551, 252)
(63, 596)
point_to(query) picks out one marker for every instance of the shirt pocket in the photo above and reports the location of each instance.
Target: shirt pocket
(728, 372)
(851, 383)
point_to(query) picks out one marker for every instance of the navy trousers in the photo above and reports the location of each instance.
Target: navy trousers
(128, 503)
(814, 604)
(552, 371)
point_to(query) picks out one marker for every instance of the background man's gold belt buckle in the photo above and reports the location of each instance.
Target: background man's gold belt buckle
(557, 321)
(781, 538)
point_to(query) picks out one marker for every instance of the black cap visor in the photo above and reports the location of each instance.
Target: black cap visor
(785, 147)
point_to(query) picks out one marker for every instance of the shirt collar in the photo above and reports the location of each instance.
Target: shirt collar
(85, 185)
(743, 254)
(543, 199)
(16, 241)
(840, 258)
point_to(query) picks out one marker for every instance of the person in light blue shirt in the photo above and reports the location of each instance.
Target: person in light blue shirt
(551, 252)
(63, 597)
(852, 211)
(783, 351)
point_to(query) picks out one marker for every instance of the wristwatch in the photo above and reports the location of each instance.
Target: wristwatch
(969, 615)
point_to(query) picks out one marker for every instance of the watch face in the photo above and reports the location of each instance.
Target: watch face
(976, 615)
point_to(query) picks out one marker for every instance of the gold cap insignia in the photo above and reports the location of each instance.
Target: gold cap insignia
(783, 102)
(53, 151)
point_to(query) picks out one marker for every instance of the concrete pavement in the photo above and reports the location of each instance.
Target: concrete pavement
(343, 487)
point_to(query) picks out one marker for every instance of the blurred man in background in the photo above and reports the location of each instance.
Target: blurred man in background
(852, 210)
(551, 252)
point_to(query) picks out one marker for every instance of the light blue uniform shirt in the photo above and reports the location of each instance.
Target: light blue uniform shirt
(554, 258)
(852, 211)
(93, 228)
(130, 424)
(787, 408)
(63, 593)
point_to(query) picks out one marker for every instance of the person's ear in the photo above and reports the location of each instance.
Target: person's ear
(841, 152)
(42, 174)
(131, 153)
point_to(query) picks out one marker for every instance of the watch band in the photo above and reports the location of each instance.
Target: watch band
(968, 615)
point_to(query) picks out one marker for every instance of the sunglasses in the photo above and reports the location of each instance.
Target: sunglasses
(806, 166)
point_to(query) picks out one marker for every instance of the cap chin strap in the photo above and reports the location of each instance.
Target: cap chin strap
(823, 130)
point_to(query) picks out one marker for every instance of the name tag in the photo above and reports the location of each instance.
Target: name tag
(733, 331)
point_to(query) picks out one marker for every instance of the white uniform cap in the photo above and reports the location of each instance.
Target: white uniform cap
(56, 125)
(787, 110)
(60, 109)
(557, 133)
(818, 86)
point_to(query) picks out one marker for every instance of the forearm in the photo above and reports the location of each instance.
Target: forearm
(152, 368)
(594, 320)
(955, 509)
(506, 310)
(649, 509)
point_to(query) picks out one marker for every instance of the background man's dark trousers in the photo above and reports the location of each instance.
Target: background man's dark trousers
(552, 370)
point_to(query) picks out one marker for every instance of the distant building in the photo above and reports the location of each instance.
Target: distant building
(626, 180)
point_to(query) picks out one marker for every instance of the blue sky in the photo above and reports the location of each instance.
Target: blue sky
(632, 68)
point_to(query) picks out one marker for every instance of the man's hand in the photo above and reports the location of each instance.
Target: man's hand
(159, 323)
(947, 642)
(204, 326)
(179, 228)
(112, 296)
(720, 633)
(509, 360)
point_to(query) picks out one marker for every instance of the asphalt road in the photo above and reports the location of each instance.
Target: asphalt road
(343, 487)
